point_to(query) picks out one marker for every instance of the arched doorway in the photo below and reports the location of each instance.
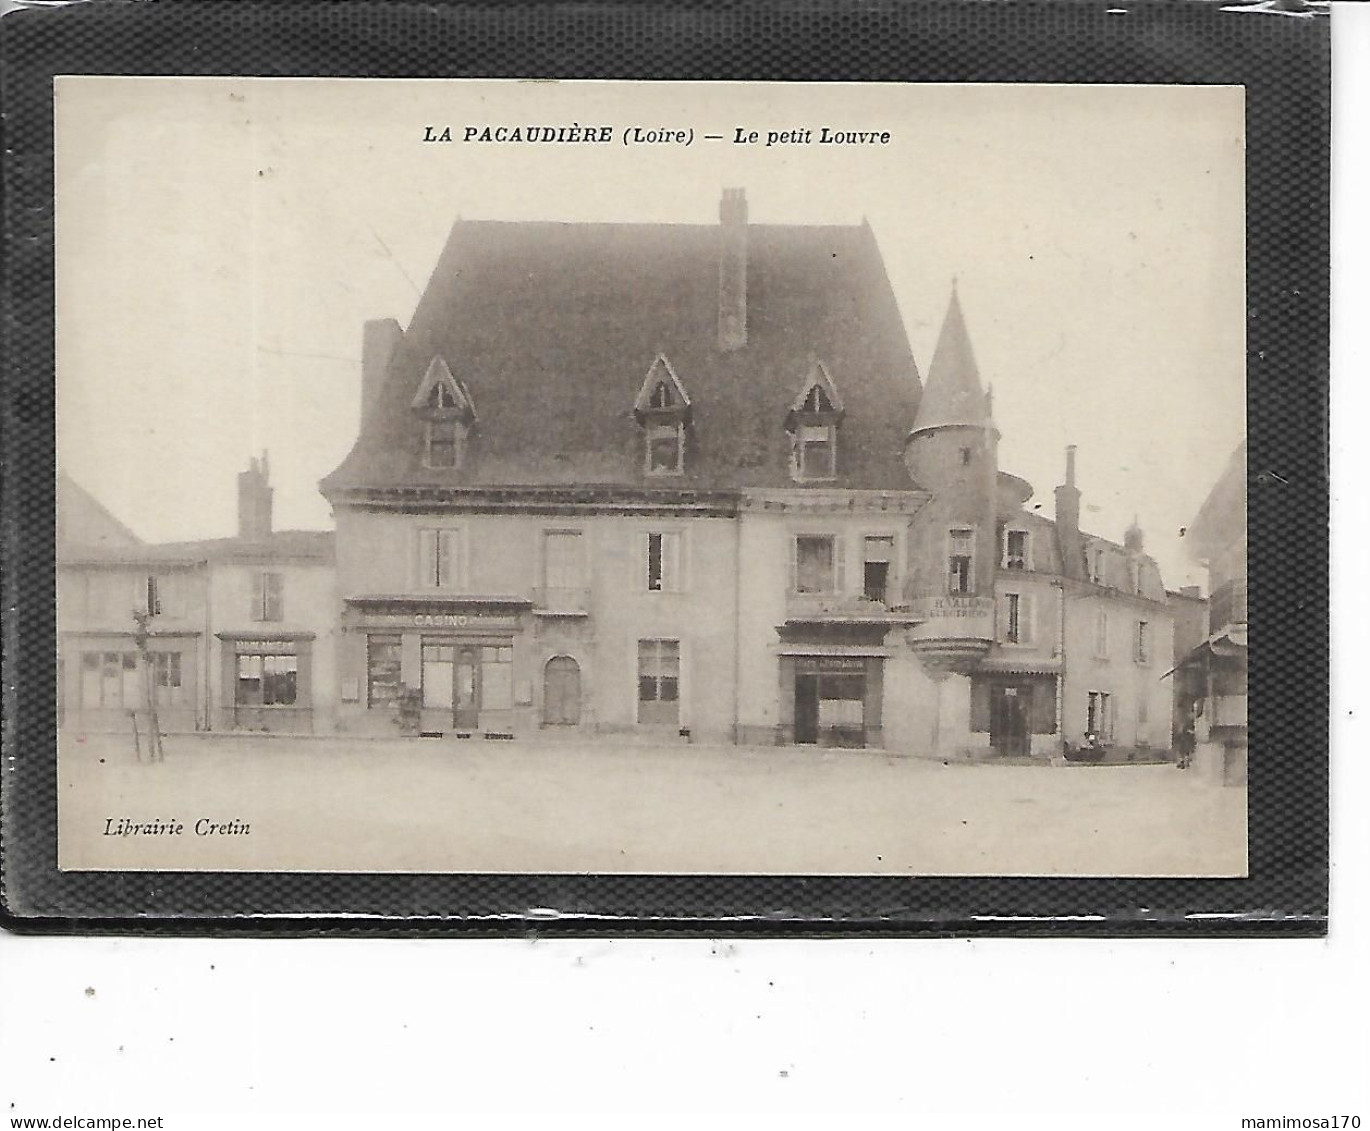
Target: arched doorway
(561, 692)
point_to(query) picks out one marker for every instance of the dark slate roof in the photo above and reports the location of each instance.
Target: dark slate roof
(953, 394)
(282, 545)
(553, 327)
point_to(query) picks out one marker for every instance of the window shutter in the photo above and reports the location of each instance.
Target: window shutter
(678, 562)
(453, 569)
(275, 597)
(1027, 626)
(839, 564)
(1001, 617)
(794, 564)
(258, 604)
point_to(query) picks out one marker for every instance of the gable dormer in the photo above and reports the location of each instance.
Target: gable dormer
(448, 412)
(812, 423)
(664, 411)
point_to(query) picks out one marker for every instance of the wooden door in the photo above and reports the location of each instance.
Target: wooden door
(561, 692)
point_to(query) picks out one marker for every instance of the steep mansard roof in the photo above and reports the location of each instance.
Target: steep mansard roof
(553, 328)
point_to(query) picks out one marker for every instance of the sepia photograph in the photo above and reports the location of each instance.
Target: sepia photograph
(492, 476)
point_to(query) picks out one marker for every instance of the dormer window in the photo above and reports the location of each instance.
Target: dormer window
(665, 449)
(812, 423)
(1016, 554)
(815, 451)
(445, 406)
(664, 411)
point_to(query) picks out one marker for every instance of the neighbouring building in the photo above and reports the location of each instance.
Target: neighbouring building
(240, 630)
(683, 482)
(1214, 672)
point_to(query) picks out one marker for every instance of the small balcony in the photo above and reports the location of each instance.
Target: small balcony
(842, 608)
(561, 602)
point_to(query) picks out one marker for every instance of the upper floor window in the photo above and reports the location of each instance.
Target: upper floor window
(1016, 625)
(1135, 572)
(816, 561)
(563, 559)
(812, 422)
(440, 565)
(268, 597)
(961, 561)
(879, 554)
(664, 411)
(1098, 566)
(1143, 643)
(663, 562)
(1016, 550)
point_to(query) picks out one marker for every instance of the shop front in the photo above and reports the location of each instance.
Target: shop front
(268, 683)
(106, 681)
(1017, 709)
(458, 656)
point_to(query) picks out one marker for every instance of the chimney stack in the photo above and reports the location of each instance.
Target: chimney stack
(254, 502)
(732, 270)
(1133, 538)
(380, 336)
(1068, 521)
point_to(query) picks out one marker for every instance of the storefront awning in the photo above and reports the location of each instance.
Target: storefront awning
(1229, 642)
(1007, 665)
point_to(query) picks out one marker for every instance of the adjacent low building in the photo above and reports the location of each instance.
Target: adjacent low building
(240, 631)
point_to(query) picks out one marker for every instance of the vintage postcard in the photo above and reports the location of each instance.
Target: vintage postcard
(607, 477)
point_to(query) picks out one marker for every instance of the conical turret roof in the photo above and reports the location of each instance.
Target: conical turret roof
(953, 394)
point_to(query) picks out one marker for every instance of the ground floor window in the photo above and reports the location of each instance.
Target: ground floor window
(383, 667)
(166, 667)
(1099, 716)
(266, 680)
(110, 679)
(658, 681)
(497, 677)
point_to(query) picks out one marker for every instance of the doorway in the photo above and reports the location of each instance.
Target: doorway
(561, 692)
(1010, 708)
(451, 683)
(806, 708)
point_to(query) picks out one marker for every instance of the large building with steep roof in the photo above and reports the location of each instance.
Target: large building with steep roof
(684, 482)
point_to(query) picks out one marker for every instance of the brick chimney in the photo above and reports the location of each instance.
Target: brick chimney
(380, 336)
(254, 502)
(1068, 521)
(732, 270)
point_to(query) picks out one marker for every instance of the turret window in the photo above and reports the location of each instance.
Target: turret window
(961, 562)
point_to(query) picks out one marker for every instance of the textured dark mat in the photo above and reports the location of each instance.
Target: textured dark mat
(1282, 61)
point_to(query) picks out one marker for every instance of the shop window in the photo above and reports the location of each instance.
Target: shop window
(440, 559)
(383, 666)
(662, 560)
(268, 597)
(658, 681)
(1016, 549)
(1099, 716)
(497, 678)
(816, 560)
(879, 555)
(266, 680)
(961, 562)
